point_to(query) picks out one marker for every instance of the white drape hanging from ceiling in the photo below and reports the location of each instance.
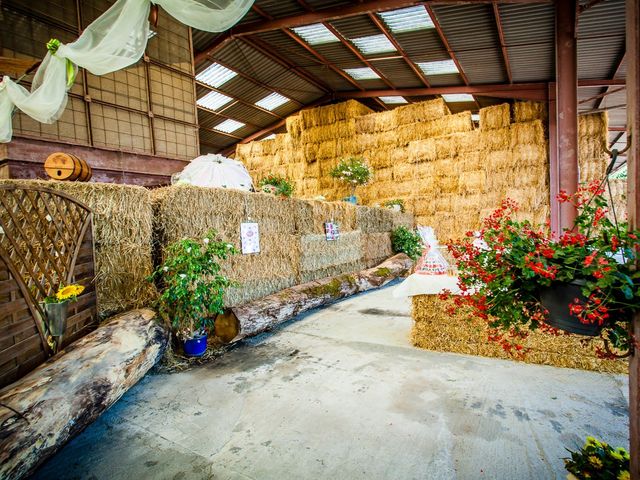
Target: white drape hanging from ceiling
(115, 40)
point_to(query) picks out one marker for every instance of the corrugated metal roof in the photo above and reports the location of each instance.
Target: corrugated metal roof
(471, 32)
(529, 32)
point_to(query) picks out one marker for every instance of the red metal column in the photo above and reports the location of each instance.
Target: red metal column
(633, 209)
(554, 186)
(567, 104)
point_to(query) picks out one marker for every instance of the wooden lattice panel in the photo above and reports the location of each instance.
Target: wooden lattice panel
(46, 241)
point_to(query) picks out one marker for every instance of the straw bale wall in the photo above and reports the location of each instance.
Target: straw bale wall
(449, 174)
(122, 223)
(292, 241)
(436, 329)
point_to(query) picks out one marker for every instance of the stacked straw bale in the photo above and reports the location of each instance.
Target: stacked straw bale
(122, 221)
(188, 211)
(593, 134)
(436, 329)
(320, 258)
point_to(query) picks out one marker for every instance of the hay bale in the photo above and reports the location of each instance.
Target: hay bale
(315, 117)
(528, 133)
(528, 111)
(375, 248)
(122, 222)
(436, 329)
(422, 150)
(421, 111)
(319, 254)
(495, 117)
(373, 220)
(592, 146)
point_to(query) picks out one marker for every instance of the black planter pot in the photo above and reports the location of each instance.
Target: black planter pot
(557, 298)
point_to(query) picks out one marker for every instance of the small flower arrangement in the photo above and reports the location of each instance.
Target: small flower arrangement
(69, 293)
(353, 170)
(277, 185)
(392, 204)
(191, 285)
(406, 241)
(598, 460)
(502, 273)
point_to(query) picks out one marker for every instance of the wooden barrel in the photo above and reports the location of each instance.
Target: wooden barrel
(66, 166)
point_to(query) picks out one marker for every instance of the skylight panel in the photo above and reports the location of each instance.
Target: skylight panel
(457, 97)
(373, 44)
(393, 100)
(215, 75)
(441, 67)
(269, 137)
(229, 126)
(407, 19)
(315, 34)
(364, 73)
(475, 117)
(214, 100)
(272, 101)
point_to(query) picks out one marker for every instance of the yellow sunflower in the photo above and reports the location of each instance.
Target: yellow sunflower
(69, 291)
(624, 475)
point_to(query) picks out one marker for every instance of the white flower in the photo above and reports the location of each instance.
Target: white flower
(189, 250)
(229, 246)
(166, 269)
(182, 275)
(206, 240)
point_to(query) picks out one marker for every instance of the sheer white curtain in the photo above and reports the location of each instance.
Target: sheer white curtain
(112, 42)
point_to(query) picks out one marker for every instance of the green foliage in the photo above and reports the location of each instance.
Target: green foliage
(353, 170)
(404, 240)
(397, 201)
(192, 287)
(598, 461)
(277, 185)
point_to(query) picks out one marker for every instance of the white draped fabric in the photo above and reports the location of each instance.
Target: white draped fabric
(115, 40)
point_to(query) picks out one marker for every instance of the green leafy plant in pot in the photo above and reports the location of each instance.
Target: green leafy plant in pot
(519, 277)
(353, 171)
(277, 185)
(192, 288)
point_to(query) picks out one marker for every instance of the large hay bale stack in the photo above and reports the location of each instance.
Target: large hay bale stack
(437, 329)
(188, 211)
(123, 228)
(593, 134)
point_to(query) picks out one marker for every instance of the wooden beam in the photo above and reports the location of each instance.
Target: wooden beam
(445, 42)
(382, 27)
(537, 91)
(633, 212)
(503, 44)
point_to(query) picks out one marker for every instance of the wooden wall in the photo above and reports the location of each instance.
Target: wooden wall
(147, 110)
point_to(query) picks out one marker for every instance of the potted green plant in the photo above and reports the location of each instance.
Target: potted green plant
(276, 185)
(406, 241)
(192, 288)
(56, 308)
(519, 277)
(355, 172)
(597, 460)
(397, 205)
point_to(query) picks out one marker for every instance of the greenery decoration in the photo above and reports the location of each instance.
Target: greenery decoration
(597, 460)
(406, 241)
(192, 287)
(354, 171)
(277, 185)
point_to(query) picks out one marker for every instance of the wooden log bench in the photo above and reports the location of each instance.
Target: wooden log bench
(40, 412)
(265, 313)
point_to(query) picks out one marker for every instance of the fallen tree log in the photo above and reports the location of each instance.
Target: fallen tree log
(43, 410)
(265, 313)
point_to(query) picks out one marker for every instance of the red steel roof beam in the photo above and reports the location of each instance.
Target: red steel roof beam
(503, 44)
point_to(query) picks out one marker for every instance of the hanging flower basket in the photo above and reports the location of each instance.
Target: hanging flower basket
(557, 300)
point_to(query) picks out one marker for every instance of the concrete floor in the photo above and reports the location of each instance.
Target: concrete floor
(340, 394)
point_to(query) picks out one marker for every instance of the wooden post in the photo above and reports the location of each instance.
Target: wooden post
(567, 105)
(633, 209)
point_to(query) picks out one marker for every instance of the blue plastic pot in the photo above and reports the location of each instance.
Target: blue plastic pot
(352, 199)
(196, 346)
